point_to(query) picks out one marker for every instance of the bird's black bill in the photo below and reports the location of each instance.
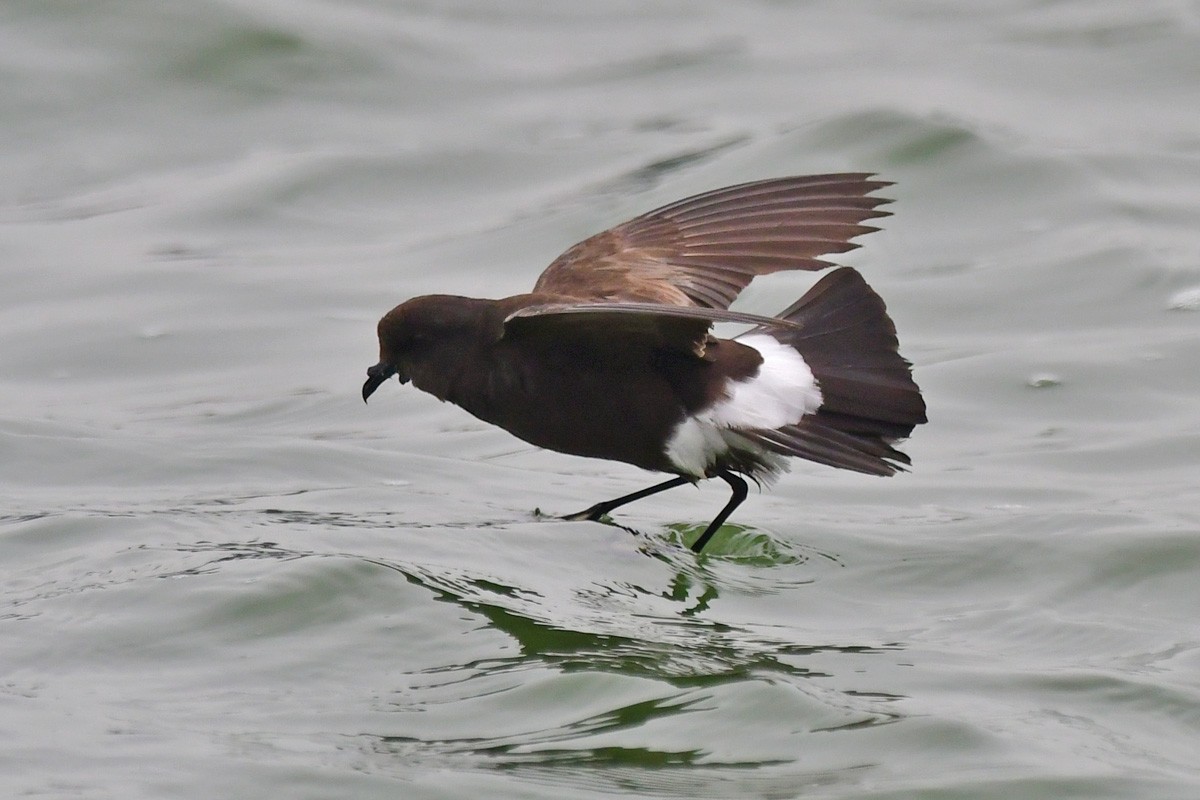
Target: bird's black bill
(376, 375)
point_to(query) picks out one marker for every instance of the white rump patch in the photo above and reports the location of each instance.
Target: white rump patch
(782, 392)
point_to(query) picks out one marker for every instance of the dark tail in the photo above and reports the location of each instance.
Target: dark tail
(869, 398)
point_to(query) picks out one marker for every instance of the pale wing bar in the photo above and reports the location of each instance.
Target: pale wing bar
(651, 310)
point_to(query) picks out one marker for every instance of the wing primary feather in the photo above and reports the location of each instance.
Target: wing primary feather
(774, 202)
(856, 181)
(769, 190)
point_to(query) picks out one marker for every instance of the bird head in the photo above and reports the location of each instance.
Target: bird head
(423, 340)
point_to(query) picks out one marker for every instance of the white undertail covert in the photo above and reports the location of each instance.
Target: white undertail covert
(780, 393)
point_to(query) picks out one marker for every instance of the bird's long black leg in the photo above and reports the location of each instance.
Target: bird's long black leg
(740, 490)
(600, 509)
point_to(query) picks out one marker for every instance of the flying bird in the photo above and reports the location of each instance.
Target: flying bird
(612, 354)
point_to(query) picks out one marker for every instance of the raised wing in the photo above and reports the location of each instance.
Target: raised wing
(703, 250)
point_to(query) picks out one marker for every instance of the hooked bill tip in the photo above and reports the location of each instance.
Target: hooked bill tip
(376, 375)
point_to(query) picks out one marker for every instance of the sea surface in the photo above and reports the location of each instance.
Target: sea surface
(224, 576)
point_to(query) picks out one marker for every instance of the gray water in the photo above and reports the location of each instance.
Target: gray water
(224, 576)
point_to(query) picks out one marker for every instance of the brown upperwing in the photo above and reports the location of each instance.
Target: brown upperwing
(703, 250)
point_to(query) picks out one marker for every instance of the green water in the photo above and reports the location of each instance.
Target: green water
(224, 576)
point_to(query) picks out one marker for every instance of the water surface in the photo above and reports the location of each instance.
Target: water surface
(227, 577)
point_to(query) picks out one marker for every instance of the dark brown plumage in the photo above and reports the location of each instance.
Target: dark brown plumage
(611, 356)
